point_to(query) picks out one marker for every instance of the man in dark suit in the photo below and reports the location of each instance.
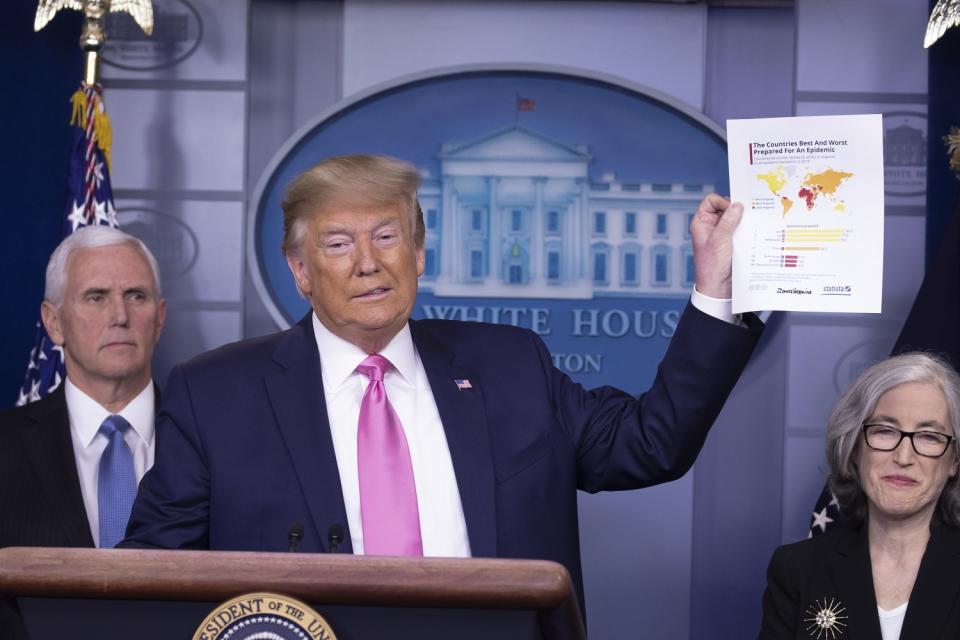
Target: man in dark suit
(102, 305)
(420, 437)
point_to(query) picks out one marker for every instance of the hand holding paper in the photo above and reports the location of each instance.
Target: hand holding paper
(711, 232)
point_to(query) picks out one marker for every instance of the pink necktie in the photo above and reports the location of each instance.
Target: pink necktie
(388, 495)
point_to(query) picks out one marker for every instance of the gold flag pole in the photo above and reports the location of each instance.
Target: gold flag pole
(93, 35)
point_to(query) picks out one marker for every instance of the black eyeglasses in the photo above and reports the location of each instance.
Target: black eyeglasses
(883, 437)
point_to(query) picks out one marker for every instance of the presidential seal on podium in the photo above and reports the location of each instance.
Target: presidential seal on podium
(264, 616)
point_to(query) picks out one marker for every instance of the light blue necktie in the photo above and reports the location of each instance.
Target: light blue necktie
(117, 484)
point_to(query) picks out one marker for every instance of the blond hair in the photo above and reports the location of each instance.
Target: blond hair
(359, 180)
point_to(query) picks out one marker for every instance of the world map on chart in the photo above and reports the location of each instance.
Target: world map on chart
(812, 189)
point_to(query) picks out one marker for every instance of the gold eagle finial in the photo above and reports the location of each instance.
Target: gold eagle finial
(945, 14)
(95, 10)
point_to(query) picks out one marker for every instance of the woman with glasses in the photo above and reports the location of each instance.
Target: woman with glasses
(894, 573)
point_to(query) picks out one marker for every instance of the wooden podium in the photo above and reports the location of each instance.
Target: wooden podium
(120, 593)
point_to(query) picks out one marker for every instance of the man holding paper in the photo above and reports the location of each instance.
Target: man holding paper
(433, 437)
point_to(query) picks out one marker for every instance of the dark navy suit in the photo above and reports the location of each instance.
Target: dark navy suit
(244, 447)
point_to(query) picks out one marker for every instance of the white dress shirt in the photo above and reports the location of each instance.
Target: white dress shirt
(719, 308)
(86, 416)
(443, 529)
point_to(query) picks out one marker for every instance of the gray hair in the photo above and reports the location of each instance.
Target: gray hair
(856, 405)
(360, 180)
(90, 237)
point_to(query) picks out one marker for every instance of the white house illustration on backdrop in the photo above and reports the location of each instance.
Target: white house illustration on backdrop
(514, 213)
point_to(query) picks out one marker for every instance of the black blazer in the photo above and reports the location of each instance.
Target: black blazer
(40, 500)
(39, 489)
(836, 567)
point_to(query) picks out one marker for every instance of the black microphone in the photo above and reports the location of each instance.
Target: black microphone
(294, 536)
(335, 537)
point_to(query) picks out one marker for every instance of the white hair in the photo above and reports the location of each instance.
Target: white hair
(844, 428)
(90, 237)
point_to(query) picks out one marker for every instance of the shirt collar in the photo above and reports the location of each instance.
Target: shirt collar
(339, 358)
(86, 414)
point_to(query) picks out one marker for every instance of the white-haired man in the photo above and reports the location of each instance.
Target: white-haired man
(70, 463)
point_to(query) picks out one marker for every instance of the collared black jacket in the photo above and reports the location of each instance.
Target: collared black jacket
(805, 576)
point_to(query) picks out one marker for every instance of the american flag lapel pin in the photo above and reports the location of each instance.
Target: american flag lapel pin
(463, 383)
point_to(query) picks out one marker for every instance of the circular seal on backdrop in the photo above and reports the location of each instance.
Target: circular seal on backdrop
(555, 199)
(264, 616)
(858, 358)
(904, 153)
(526, 201)
(173, 243)
(177, 32)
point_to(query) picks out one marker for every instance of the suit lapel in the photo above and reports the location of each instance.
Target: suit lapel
(934, 595)
(851, 572)
(296, 395)
(464, 423)
(49, 448)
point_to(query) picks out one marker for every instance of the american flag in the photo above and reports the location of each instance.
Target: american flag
(89, 201)
(463, 384)
(825, 512)
(525, 104)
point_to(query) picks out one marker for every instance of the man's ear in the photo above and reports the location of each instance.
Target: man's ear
(50, 316)
(421, 259)
(161, 317)
(299, 270)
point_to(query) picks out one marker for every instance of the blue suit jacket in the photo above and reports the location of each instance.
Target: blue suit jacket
(244, 447)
